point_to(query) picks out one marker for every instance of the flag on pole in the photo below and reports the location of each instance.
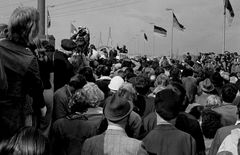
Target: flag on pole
(176, 24)
(73, 29)
(48, 19)
(145, 37)
(160, 30)
(228, 6)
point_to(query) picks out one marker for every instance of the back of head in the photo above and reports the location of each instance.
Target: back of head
(213, 101)
(187, 72)
(106, 71)
(90, 96)
(29, 141)
(161, 79)
(159, 70)
(180, 90)
(175, 72)
(77, 81)
(23, 25)
(127, 91)
(87, 72)
(167, 104)
(211, 122)
(229, 92)
(141, 84)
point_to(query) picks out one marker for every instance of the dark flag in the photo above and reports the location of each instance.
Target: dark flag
(176, 24)
(228, 6)
(160, 30)
(48, 19)
(145, 37)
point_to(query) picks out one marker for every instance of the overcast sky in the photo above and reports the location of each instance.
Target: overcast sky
(129, 19)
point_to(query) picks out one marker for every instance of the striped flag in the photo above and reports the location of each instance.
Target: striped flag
(160, 30)
(228, 6)
(48, 19)
(176, 24)
(145, 37)
(73, 29)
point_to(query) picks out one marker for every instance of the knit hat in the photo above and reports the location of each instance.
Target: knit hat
(115, 83)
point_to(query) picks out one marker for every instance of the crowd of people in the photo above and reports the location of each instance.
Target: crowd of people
(78, 100)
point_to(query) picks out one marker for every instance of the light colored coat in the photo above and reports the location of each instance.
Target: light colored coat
(113, 142)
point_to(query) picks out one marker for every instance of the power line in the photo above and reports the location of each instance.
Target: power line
(69, 5)
(81, 4)
(66, 3)
(93, 9)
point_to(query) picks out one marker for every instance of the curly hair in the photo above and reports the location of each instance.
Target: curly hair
(211, 122)
(229, 92)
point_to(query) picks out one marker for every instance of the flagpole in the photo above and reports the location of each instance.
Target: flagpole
(153, 44)
(172, 39)
(224, 30)
(171, 50)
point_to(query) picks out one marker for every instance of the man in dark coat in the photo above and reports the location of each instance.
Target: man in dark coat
(63, 69)
(165, 138)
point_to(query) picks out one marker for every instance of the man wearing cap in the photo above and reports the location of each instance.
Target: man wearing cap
(165, 138)
(115, 139)
(207, 89)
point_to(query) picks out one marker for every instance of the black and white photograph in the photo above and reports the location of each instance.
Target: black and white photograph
(119, 77)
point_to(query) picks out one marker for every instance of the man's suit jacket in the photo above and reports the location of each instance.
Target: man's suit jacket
(112, 142)
(165, 139)
(221, 134)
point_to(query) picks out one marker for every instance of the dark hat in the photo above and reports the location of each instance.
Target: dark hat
(117, 108)
(68, 44)
(167, 103)
(206, 85)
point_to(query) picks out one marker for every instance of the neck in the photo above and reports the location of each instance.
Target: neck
(118, 125)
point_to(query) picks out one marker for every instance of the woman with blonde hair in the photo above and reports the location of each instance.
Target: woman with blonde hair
(22, 72)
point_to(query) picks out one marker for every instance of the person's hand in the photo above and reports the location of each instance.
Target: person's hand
(43, 111)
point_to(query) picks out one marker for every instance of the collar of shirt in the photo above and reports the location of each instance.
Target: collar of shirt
(104, 78)
(160, 120)
(97, 110)
(114, 127)
(237, 122)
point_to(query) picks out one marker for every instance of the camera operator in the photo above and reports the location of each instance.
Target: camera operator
(80, 55)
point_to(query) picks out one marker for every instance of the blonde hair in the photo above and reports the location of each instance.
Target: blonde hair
(127, 91)
(23, 25)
